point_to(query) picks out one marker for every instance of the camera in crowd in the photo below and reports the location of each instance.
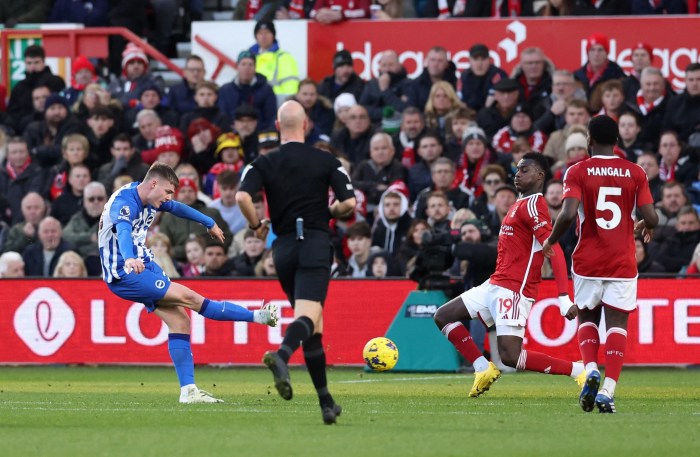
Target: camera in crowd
(433, 258)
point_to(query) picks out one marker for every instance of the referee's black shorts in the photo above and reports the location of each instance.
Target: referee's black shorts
(304, 266)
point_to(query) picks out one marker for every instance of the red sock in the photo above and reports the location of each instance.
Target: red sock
(460, 337)
(542, 363)
(588, 342)
(615, 352)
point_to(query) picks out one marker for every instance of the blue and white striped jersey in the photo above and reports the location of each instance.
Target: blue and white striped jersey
(125, 205)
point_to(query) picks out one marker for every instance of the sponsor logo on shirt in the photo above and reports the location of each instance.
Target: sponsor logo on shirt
(506, 230)
(124, 213)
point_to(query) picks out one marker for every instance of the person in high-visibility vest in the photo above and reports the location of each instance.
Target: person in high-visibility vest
(279, 67)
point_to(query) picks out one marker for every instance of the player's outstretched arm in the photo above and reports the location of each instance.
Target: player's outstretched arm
(216, 233)
(563, 222)
(185, 212)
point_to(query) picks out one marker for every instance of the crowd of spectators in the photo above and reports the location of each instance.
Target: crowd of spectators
(435, 153)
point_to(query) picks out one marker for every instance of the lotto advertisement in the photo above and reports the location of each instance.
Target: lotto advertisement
(81, 322)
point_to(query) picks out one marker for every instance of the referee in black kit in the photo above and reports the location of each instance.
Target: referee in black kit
(296, 179)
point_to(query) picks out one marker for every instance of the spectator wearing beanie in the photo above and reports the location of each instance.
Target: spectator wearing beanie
(135, 74)
(278, 66)
(249, 87)
(44, 137)
(598, 68)
(521, 124)
(230, 155)
(150, 96)
(169, 147)
(202, 136)
(344, 79)
(83, 74)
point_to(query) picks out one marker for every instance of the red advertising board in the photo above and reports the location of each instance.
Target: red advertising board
(80, 321)
(674, 39)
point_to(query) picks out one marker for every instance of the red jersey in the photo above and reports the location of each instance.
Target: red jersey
(609, 189)
(523, 232)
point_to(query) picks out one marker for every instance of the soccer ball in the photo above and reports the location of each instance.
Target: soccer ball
(380, 354)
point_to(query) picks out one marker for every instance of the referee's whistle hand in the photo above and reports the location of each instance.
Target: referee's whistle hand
(263, 230)
(216, 233)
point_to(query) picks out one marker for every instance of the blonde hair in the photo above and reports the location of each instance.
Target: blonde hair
(431, 117)
(165, 261)
(260, 266)
(66, 257)
(76, 138)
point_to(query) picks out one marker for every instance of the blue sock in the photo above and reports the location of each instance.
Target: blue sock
(225, 311)
(181, 353)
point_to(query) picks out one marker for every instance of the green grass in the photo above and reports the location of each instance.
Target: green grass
(85, 411)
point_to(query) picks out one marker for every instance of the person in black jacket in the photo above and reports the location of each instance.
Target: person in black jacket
(343, 79)
(437, 68)
(206, 95)
(374, 175)
(40, 258)
(19, 176)
(253, 249)
(37, 74)
(387, 89)
(181, 96)
(45, 137)
(394, 220)
(478, 80)
(683, 111)
(676, 251)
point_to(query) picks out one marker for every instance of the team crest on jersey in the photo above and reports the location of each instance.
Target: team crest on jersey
(149, 219)
(124, 213)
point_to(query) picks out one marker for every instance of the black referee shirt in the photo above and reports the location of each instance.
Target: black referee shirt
(296, 179)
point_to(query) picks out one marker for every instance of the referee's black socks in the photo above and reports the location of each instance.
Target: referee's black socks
(299, 330)
(315, 358)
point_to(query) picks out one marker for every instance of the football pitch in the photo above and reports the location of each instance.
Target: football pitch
(114, 411)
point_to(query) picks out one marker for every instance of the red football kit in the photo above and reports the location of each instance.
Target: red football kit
(609, 189)
(523, 232)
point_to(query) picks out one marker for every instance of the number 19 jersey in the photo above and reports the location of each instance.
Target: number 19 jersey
(609, 190)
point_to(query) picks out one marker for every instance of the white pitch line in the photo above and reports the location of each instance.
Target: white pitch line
(423, 378)
(216, 410)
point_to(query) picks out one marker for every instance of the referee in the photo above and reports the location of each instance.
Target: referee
(296, 179)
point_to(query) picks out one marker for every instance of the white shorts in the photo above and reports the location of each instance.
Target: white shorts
(620, 295)
(493, 304)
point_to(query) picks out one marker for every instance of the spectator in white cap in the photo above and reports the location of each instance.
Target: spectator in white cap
(134, 75)
(341, 106)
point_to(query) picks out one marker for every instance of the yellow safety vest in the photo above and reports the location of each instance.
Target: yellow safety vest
(281, 71)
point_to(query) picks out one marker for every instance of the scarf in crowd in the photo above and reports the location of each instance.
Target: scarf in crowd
(667, 173)
(14, 173)
(594, 76)
(646, 108)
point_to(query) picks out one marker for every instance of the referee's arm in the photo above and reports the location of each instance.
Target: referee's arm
(340, 209)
